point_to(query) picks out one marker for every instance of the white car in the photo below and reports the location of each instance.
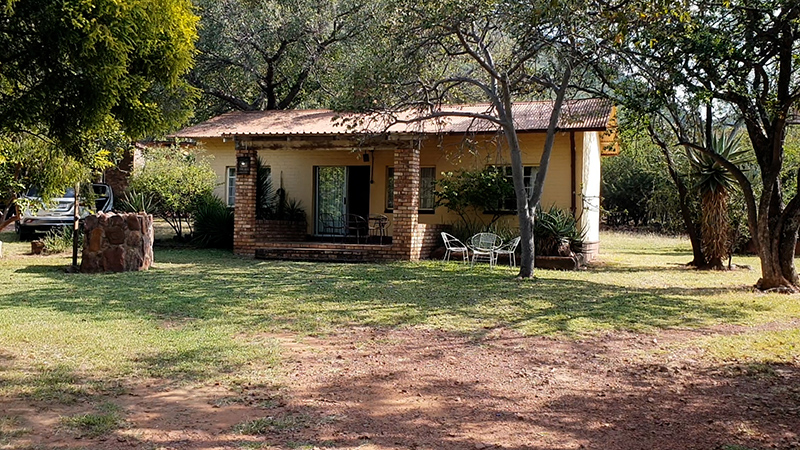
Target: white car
(59, 211)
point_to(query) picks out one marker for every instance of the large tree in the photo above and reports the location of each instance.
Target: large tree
(275, 54)
(740, 57)
(69, 67)
(489, 51)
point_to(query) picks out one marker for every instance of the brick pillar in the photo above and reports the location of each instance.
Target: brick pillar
(406, 241)
(244, 222)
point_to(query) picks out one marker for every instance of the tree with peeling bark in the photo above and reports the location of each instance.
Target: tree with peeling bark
(489, 51)
(741, 57)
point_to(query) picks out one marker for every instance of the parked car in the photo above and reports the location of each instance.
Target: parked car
(59, 211)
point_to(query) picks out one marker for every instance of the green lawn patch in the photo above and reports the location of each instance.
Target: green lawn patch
(201, 315)
(762, 347)
(107, 419)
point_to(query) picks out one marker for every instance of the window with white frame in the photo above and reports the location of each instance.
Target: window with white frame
(427, 180)
(230, 186)
(528, 177)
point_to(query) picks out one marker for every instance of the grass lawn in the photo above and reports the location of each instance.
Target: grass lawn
(202, 315)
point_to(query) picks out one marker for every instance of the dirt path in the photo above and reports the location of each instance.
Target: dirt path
(418, 389)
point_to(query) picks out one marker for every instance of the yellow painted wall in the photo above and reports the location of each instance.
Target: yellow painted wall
(223, 155)
(296, 168)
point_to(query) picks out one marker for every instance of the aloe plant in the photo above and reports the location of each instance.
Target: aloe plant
(554, 229)
(715, 184)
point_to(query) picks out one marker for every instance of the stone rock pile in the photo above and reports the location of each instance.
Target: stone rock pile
(117, 242)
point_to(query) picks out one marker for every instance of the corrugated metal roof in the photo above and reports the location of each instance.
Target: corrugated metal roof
(584, 114)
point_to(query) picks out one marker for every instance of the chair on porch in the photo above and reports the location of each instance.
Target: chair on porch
(357, 224)
(453, 245)
(377, 225)
(332, 225)
(483, 246)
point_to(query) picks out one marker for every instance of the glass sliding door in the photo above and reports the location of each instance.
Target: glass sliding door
(331, 206)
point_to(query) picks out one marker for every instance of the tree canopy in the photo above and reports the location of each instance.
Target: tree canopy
(692, 65)
(276, 54)
(69, 67)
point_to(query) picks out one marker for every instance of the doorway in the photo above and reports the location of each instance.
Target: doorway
(340, 190)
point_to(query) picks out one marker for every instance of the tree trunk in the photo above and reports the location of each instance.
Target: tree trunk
(526, 206)
(773, 267)
(698, 258)
(715, 228)
(777, 239)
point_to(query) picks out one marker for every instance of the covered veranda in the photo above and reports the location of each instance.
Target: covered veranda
(404, 239)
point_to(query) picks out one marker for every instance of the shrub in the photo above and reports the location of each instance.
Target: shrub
(135, 202)
(213, 223)
(479, 191)
(174, 179)
(555, 231)
(637, 188)
(59, 240)
(274, 204)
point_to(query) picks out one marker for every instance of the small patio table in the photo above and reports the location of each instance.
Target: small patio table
(483, 246)
(377, 225)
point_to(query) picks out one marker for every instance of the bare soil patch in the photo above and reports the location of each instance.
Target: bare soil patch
(420, 389)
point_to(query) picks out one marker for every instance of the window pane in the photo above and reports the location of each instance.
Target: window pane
(426, 185)
(231, 185)
(528, 177)
(390, 188)
(427, 177)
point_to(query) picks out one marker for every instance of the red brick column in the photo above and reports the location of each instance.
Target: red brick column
(406, 242)
(244, 222)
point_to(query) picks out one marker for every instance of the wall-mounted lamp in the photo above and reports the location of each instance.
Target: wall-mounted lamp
(242, 165)
(365, 157)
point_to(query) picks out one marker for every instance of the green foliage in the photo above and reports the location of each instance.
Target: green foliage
(71, 67)
(556, 232)
(637, 189)
(709, 175)
(274, 204)
(276, 54)
(791, 164)
(59, 240)
(136, 202)
(27, 162)
(174, 179)
(213, 223)
(107, 419)
(469, 193)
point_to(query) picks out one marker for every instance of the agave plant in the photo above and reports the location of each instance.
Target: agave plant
(555, 231)
(138, 202)
(715, 184)
(213, 223)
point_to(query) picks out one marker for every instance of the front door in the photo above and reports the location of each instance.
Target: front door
(340, 190)
(358, 190)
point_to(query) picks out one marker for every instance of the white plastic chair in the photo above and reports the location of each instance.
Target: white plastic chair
(483, 246)
(509, 249)
(453, 245)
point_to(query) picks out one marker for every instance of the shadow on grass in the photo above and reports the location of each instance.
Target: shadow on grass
(260, 296)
